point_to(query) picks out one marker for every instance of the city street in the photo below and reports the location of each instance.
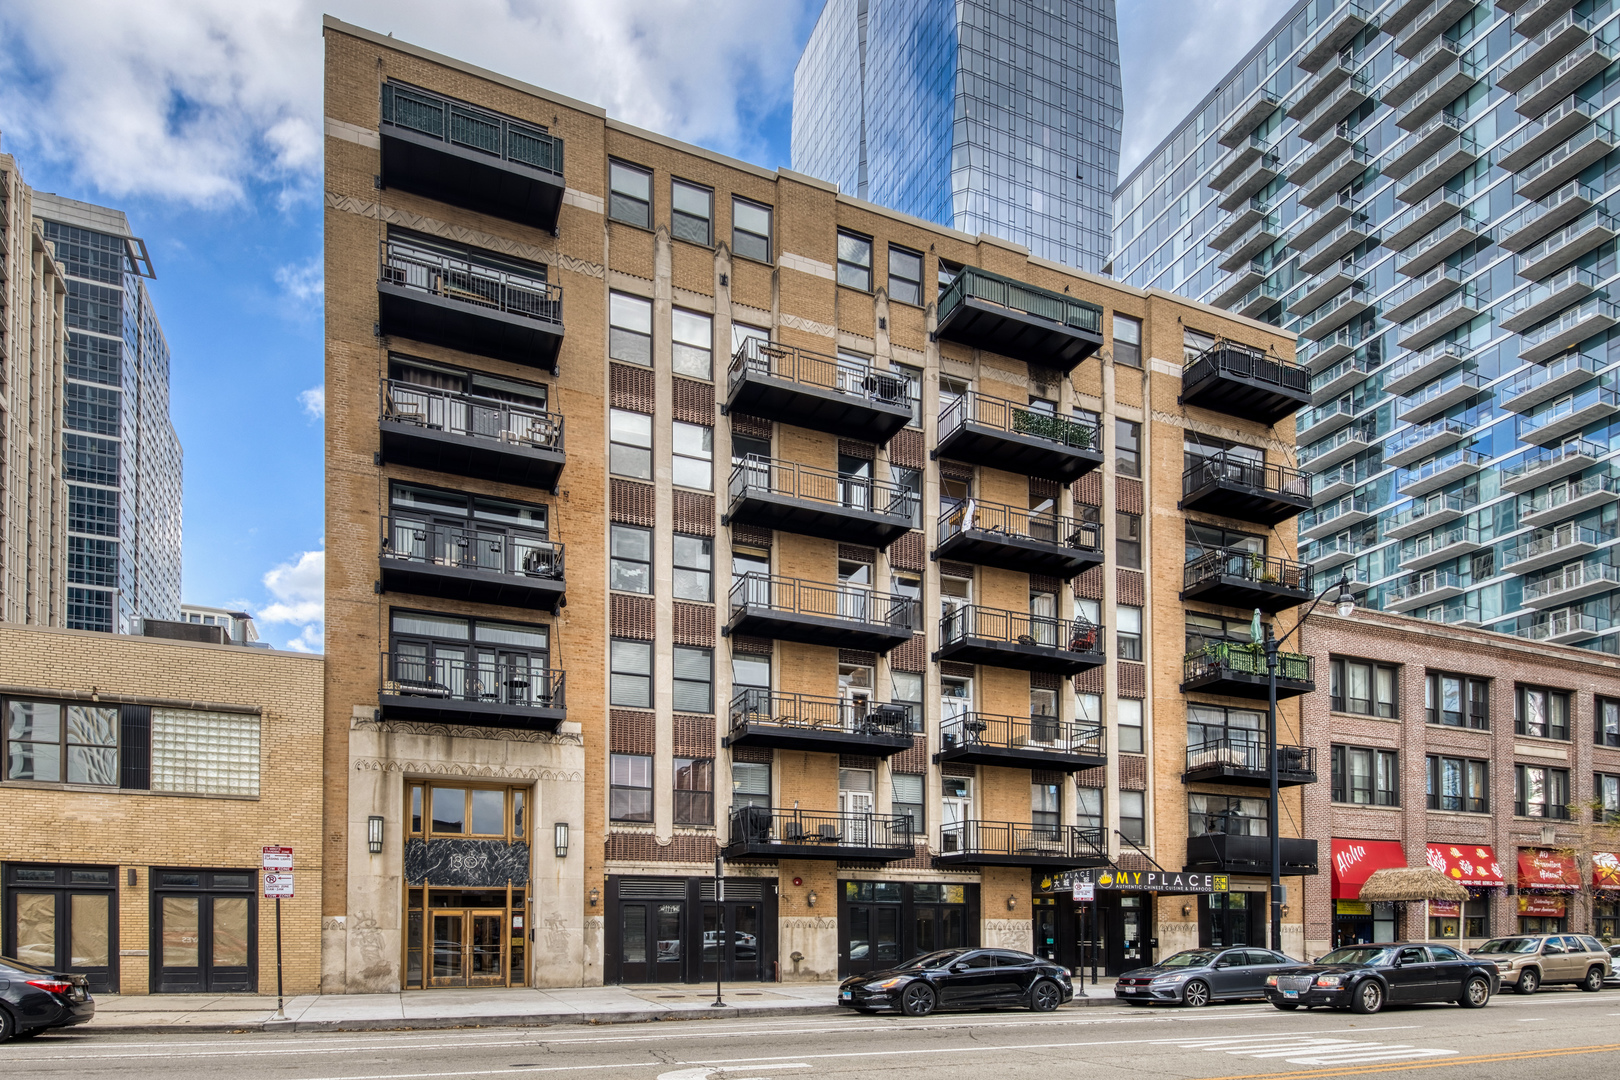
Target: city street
(1550, 1035)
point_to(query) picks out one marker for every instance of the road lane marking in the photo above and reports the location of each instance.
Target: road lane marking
(1481, 1059)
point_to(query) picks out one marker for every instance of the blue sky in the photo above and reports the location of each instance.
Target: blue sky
(200, 119)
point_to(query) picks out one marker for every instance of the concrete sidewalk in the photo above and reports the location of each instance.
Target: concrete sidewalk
(429, 1009)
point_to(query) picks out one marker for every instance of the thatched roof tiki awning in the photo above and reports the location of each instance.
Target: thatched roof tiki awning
(1410, 883)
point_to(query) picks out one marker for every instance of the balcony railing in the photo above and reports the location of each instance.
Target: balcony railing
(1241, 381)
(514, 553)
(1239, 669)
(1015, 319)
(1009, 435)
(1012, 843)
(1244, 488)
(507, 692)
(766, 832)
(470, 435)
(1246, 579)
(1243, 761)
(1015, 639)
(466, 281)
(840, 396)
(472, 128)
(796, 610)
(1040, 742)
(777, 494)
(820, 724)
(1018, 538)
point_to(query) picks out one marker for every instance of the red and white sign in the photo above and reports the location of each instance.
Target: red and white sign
(1445, 909)
(1551, 907)
(1467, 864)
(278, 858)
(1355, 860)
(1549, 871)
(1085, 892)
(278, 885)
(1605, 871)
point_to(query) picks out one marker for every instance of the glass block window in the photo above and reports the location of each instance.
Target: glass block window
(205, 753)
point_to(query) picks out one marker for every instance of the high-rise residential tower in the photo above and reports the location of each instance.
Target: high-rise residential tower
(121, 457)
(999, 118)
(1423, 191)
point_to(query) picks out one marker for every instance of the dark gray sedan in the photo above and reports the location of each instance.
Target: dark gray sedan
(1195, 977)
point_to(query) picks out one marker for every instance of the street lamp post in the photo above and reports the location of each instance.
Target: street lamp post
(1346, 604)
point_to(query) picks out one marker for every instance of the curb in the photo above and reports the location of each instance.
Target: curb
(511, 1020)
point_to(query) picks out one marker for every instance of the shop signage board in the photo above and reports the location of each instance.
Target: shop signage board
(1109, 879)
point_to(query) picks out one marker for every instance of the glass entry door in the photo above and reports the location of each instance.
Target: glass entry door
(204, 931)
(651, 938)
(731, 938)
(469, 948)
(63, 918)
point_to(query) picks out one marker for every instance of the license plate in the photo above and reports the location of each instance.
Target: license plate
(847, 995)
(1290, 993)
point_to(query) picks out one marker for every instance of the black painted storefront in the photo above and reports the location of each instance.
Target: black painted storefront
(883, 923)
(64, 918)
(670, 930)
(1120, 939)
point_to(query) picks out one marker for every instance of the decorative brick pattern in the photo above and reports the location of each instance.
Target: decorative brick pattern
(906, 553)
(855, 449)
(1041, 488)
(1092, 778)
(857, 656)
(856, 553)
(1089, 585)
(1089, 682)
(1088, 489)
(1045, 776)
(693, 624)
(694, 402)
(1045, 680)
(631, 617)
(694, 513)
(951, 768)
(1133, 860)
(694, 736)
(631, 732)
(1133, 772)
(920, 861)
(631, 503)
(1132, 680)
(643, 847)
(912, 761)
(631, 388)
(955, 670)
(742, 424)
(750, 536)
(857, 761)
(911, 656)
(1127, 495)
(1129, 587)
(906, 450)
(1042, 583)
(955, 470)
(756, 755)
(956, 569)
(752, 646)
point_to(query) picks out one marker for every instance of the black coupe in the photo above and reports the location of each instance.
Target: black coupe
(960, 979)
(34, 1000)
(1365, 978)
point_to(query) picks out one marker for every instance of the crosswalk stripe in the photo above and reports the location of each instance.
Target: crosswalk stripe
(1306, 1049)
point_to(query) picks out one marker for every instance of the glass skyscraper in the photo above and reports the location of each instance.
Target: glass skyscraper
(1423, 190)
(120, 453)
(992, 116)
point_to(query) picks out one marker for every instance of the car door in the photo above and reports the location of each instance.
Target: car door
(1554, 960)
(1229, 973)
(1265, 963)
(970, 982)
(1411, 976)
(1015, 974)
(1450, 969)
(1576, 960)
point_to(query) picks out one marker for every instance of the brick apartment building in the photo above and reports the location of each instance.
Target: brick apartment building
(680, 507)
(141, 778)
(1492, 759)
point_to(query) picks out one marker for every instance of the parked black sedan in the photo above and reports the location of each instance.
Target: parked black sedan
(1365, 978)
(1195, 977)
(33, 1000)
(960, 979)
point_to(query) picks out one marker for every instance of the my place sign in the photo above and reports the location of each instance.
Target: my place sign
(1142, 881)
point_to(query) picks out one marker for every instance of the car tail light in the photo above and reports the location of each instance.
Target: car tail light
(52, 986)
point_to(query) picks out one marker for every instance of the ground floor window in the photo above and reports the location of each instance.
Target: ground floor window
(1542, 913)
(672, 930)
(1359, 922)
(881, 923)
(1606, 919)
(64, 918)
(1233, 918)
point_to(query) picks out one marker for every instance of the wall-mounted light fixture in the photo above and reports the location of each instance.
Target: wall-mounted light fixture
(811, 898)
(1012, 902)
(374, 834)
(1186, 910)
(595, 896)
(562, 839)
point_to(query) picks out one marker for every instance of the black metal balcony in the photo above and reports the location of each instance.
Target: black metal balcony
(775, 494)
(1021, 742)
(1018, 538)
(824, 725)
(1239, 381)
(1245, 489)
(843, 397)
(425, 428)
(1013, 843)
(1229, 854)
(1015, 639)
(470, 302)
(1246, 579)
(1243, 761)
(1238, 669)
(470, 157)
(982, 430)
(1025, 322)
(464, 562)
(765, 833)
(489, 693)
(788, 609)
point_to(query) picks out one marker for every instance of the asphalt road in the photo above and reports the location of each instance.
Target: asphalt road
(1552, 1035)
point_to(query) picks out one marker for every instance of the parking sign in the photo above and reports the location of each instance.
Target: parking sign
(278, 885)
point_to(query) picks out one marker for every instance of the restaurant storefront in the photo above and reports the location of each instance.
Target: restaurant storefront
(1357, 921)
(1477, 869)
(1606, 894)
(1547, 878)
(1116, 930)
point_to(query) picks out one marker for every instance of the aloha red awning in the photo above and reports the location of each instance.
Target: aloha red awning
(1605, 871)
(1467, 864)
(1548, 871)
(1355, 860)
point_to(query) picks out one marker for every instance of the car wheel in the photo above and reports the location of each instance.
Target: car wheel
(917, 999)
(1045, 996)
(1476, 993)
(1196, 995)
(1529, 981)
(1367, 998)
(1285, 1006)
(1593, 981)
(8, 1026)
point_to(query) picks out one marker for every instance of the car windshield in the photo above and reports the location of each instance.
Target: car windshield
(1192, 958)
(931, 960)
(1355, 956)
(1510, 945)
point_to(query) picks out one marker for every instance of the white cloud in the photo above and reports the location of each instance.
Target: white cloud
(1160, 41)
(196, 100)
(299, 591)
(303, 284)
(314, 402)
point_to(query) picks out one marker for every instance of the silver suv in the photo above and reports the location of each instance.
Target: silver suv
(1528, 962)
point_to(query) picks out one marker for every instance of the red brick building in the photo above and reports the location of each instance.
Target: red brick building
(1495, 760)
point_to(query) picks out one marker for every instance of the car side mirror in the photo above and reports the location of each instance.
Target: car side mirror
(1395, 962)
(959, 967)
